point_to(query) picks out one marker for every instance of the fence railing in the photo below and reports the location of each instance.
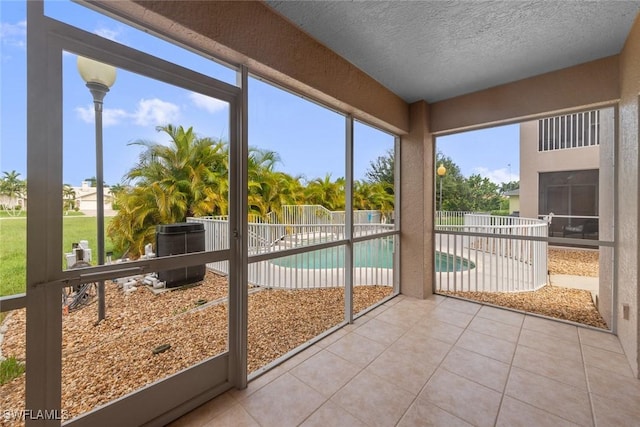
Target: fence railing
(313, 269)
(485, 253)
(452, 217)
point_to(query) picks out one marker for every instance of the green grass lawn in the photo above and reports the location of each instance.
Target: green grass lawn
(13, 247)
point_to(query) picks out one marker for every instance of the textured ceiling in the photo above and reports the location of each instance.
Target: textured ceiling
(435, 50)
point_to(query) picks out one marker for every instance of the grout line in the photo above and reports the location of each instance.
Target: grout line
(504, 389)
(586, 379)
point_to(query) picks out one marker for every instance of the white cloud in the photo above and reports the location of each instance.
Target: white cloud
(113, 116)
(110, 116)
(13, 34)
(86, 114)
(155, 111)
(498, 176)
(207, 103)
(108, 33)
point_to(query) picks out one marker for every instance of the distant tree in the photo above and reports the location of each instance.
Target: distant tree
(93, 181)
(12, 188)
(454, 186)
(483, 195)
(509, 186)
(68, 198)
(382, 169)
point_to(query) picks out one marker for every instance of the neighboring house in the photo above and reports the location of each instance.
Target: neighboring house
(86, 197)
(560, 168)
(7, 202)
(514, 201)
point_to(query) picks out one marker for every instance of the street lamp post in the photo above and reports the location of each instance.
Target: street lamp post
(99, 77)
(441, 172)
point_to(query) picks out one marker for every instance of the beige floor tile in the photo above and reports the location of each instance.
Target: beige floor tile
(207, 411)
(325, 372)
(382, 332)
(607, 360)
(402, 369)
(463, 398)
(461, 306)
(236, 416)
(393, 301)
(604, 340)
(358, 322)
(420, 350)
(419, 305)
(330, 339)
(614, 413)
(331, 414)
(373, 400)
(399, 316)
(257, 383)
(300, 357)
(495, 329)
(614, 386)
(356, 349)
(514, 413)
(423, 413)
(439, 330)
(286, 401)
(568, 371)
(551, 327)
(476, 367)
(501, 315)
(487, 346)
(552, 396)
(447, 315)
(551, 345)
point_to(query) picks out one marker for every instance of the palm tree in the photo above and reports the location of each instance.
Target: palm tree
(269, 190)
(12, 188)
(327, 193)
(187, 177)
(68, 198)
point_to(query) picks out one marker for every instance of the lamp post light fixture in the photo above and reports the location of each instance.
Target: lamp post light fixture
(441, 171)
(99, 77)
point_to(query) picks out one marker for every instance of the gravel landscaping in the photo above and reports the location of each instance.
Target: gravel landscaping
(576, 262)
(108, 360)
(575, 305)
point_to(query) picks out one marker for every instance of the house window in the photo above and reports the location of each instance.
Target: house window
(571, 196)
(569, 131)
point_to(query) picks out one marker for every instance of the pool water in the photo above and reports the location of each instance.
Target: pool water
(365, 255)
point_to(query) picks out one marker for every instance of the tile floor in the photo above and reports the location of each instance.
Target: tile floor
(441, 362)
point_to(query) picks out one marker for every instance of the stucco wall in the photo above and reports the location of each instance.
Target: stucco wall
(534, 162)
(416, 175)
(627, 174)
(590, 84)
(606, 212)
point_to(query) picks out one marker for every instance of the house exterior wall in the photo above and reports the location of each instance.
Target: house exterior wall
(534, 162)
(627, 204)
(514, 204)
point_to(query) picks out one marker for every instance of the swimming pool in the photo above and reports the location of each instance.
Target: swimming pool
(365, 254)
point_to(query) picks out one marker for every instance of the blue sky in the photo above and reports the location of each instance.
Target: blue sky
(308, 138)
